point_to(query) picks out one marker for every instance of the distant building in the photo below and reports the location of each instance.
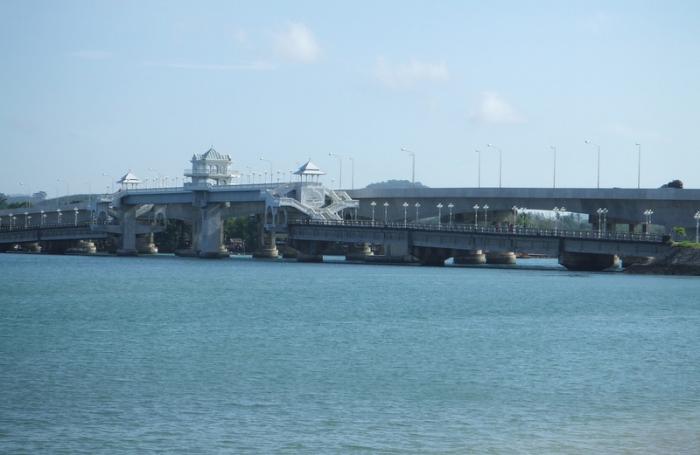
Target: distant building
(129, 181)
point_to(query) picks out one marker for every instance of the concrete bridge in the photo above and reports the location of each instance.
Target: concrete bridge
(432, 244)
(671, 206)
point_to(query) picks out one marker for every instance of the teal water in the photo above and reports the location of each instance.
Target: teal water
(171, 355)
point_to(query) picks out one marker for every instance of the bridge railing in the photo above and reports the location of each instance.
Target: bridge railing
(496, 230)
(47, 226)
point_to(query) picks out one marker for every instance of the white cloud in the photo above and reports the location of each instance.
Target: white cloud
(91, 54)
(252, 66)
(297, 43)
(404, 75)
(493, 108)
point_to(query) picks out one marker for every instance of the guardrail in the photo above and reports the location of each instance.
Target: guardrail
(494, 230)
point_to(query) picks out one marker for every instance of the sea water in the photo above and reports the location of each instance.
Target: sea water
(174, 355)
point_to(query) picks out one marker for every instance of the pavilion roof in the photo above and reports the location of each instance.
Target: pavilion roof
(129, 178)
(309, 168)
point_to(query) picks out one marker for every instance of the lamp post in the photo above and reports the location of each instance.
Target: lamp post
(43, 218)
(450, 206)
(515, 214)
(59, 216)
(405, 213)
(386, 211)
(75, 218)
(486, 215)
(500, 162)
(557, 213)
(439, 207)
(605, 221)
(476, 215)
(478, 168)
(26, 220)
(12, 221)
(373, 204)
(598, 166)
(340, 169)
(554, 170)
(270, 163)
(697, 226)
(417, 206)
(647, 221)
(413, 163)
(639, 165)
(352, 172)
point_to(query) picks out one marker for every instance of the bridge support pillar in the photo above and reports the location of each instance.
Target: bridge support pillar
(500, 257)
(309, 250)
(473, 257)
(358, 252)
(209, 233)
(588, 261)
(145, 244)
(127, 246)
(268, 249)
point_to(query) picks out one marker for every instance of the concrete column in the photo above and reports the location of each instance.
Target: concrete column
(473, 257)
(268, 249)
(588, 261)
(500, 257)
(127, 246)
(210, 236)
(145, 244)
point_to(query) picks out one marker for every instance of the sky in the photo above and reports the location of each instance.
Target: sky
(92, 89)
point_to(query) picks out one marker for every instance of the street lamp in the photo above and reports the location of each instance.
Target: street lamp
(340, 171)
(413, 164)
(478, 168)
(439, 207)
(602, 214)
(476, 215)
(270, 163)
(598, 147)
(75, 213)
(12, 221)
(554, 173)
(405, 213)
(25, 219)
(639, 165)
(486, 215)
(557, 212)
(697, 226)
(450, 206)
(515, 214)
(352, 172)
(29, 220)
(373, 204)
(386, 210)
(417, 206)
(59, 216)
(500, 162)
(43, 218)
(647, 213)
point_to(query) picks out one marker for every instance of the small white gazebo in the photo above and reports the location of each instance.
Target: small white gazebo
(129, 180)
(309, 170)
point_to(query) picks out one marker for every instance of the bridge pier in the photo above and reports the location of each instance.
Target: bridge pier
(500, 257)
(208, 233)
(146, 245)
(473, 257)
(591, 262)
(268, 248)
(32, 247)
(127, 246)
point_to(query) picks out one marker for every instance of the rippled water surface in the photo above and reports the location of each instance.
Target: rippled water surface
(131, 355)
